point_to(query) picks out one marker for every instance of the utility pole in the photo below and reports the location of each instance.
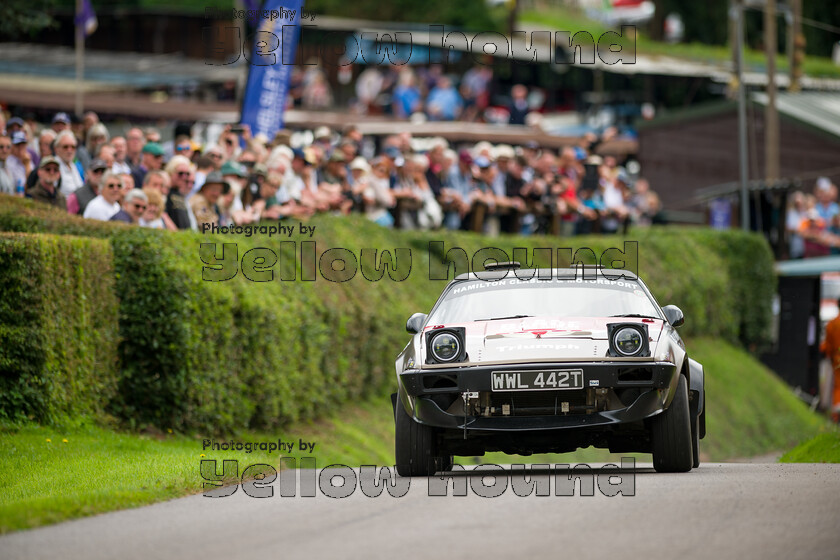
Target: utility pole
(797, 50)
(80, 59)
(771, 115)
(736, 13)
(513, 14)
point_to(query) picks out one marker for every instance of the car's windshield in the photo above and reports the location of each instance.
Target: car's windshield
(477, 300)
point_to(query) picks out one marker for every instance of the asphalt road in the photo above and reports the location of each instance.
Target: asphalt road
(717, 511)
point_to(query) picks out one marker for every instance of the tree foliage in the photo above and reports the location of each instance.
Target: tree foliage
(21, 18)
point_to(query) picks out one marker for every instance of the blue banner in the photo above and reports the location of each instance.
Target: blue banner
(271, 65)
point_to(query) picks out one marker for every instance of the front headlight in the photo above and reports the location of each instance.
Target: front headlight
(627, 341)
(445, 347)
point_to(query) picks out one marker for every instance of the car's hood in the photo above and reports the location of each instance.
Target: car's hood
(544, 339)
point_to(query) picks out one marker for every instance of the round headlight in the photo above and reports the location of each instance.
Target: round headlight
(627, 341)
(446, 347)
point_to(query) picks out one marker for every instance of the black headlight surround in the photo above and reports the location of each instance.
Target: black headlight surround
(642, 328)
(457, 332)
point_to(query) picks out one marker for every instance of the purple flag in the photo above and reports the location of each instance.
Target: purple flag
(86, 18)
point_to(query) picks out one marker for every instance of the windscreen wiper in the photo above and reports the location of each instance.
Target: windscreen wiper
(502, 318)
(636, 315)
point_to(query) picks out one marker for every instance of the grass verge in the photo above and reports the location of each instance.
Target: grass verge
(824, 448)
(44, 479)
(49, 475)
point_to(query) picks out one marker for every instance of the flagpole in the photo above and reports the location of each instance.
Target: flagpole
(80, 58)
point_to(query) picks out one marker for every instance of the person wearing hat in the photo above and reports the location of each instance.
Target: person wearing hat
(234, 169)
(151, 159)
(335, 172)
(359, 180)
(204, 203)
(46, 189)
(60, 122)
(826, 195)
(333, 182)
(306, 181)
(14, 124)
(482, 198)
(77, 201)
(237, 177)
(7, 183)
(19, 163)
(133, 207)
(323, 135)
(378, 196)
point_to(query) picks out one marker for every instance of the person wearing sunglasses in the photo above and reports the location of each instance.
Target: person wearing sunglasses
(133, 207)
(151, 159)
(182, 176)
(183, 146)
(106, 203)
(204, 203)
(78, 201)
(72, 173)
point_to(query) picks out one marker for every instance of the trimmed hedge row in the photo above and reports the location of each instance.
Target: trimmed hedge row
(220, 356)
(58, 327)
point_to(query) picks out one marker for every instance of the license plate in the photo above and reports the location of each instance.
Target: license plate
(537, 380)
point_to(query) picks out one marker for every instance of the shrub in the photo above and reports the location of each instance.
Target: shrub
(217, 356)
(58, 327)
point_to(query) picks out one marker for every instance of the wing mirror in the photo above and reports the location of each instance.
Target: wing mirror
(415, 322)
(674, 315)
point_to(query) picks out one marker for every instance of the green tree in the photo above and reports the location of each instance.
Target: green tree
(19, 18)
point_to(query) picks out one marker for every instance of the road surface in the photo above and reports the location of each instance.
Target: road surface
(728, 510)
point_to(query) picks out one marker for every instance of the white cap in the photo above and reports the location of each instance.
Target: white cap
(323, 132)
(281, 151)
(823, 184)
(504, 151)
(360, 163)
(482, 146)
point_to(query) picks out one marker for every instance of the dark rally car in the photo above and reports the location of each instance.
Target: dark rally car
(526, 361)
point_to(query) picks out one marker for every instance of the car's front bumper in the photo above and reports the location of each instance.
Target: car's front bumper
(423, 390)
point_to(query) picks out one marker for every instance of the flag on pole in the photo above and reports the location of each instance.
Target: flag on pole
(86, 18)
(271, 64)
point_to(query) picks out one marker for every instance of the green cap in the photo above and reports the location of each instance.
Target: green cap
(233, 168)
(153, 148)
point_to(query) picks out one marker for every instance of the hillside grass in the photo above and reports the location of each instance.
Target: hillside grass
(573, 21)
(750, 412)
(823, 448)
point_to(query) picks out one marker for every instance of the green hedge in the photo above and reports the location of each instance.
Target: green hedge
(58, 327)
(218, 356)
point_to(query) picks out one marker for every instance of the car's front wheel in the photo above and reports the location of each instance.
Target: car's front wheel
(416, 447)
(671, 434)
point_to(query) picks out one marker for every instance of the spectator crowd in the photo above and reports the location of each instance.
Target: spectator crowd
(424, 92)
(77, 166)
(813, 221)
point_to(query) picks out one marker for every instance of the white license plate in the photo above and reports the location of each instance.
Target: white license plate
(537, 380)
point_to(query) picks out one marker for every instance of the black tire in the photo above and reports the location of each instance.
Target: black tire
(671, 434)
(415, 446)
